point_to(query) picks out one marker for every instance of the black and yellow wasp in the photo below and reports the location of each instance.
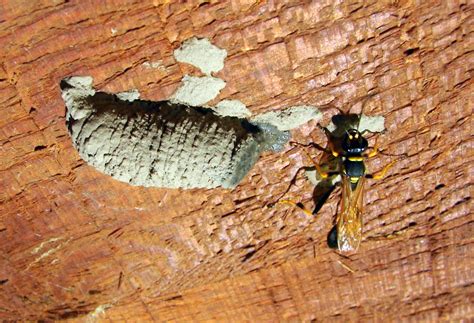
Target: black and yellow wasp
(350, 151)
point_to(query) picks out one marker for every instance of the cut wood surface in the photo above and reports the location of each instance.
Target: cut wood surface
(78, 244)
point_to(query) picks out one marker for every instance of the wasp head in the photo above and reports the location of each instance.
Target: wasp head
(353, 142)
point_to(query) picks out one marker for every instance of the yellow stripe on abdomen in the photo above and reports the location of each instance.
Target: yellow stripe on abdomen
(354, 179)
(355, 158)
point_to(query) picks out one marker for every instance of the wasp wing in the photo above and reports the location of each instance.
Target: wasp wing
(349, 219)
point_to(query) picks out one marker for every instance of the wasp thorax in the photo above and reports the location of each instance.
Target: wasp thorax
(353, 142)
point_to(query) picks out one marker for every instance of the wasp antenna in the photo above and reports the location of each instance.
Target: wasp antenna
(364, 102)
(358, 122)
(361, 113)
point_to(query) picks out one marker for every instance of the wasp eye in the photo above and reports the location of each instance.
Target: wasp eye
(350, 137)
(356, 136)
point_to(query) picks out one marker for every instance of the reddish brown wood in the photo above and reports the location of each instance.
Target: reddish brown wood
(77, 243)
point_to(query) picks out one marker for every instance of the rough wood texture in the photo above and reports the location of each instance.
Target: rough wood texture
(75, 242)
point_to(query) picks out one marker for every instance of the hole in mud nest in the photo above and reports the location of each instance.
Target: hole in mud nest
(410, 51)
(40, 147)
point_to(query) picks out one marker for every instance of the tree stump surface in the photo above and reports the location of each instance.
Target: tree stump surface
(77, 244)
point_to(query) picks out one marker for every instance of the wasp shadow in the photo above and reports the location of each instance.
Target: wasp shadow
(323, 188)
(341, 123)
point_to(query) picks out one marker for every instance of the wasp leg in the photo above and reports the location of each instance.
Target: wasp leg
(330, 151)
(298, 205)
(331, 140)
(374, 152)
(292, 182)
(382, 173)
(323, 174)
(325, 130)
(311, 144)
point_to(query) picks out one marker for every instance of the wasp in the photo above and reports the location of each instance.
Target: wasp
(351, 154)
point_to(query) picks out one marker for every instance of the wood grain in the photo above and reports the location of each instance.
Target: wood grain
(78, 244)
